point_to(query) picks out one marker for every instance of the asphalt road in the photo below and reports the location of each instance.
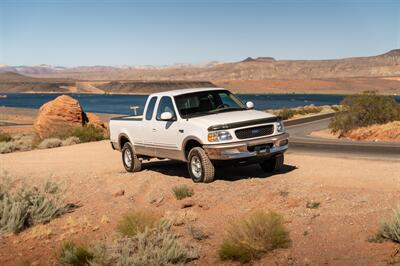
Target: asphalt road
(300, 140)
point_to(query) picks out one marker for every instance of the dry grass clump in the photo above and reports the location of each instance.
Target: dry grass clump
(287, 113)
(75, 255)
(156, 246)
(136, 222)
(390, 230)
(152, 246)
(182, 192)
(50, 143)
(28, 206)
(15, 145)
(70, 141)
(253, 236)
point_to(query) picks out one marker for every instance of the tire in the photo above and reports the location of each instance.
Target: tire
(273, 164)
(200, 167)
(133, 164)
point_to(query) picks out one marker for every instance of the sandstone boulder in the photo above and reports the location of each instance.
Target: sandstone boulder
(62, 114)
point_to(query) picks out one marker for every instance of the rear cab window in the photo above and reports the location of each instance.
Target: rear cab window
(150, 108)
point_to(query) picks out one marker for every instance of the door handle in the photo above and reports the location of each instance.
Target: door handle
(154, 130)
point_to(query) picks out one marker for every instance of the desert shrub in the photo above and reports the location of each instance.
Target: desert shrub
(136, 222)
(89, 133)
(16, 145)
(287, 113)
(253, 236)
(156, 246)
(7, 147)
(182, 192)
(50, 143)
(364, 110)
(391, 230)
(5, 137)
(72, 254)
(28, 206)
(312, 205)
(70, 141)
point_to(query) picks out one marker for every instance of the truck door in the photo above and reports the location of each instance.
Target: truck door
(146, 145)
(166, 132)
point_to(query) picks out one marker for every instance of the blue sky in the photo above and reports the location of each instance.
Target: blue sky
(72, 32)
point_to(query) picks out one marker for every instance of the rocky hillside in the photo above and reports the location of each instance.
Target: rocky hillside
(261, 68)
(13, 82)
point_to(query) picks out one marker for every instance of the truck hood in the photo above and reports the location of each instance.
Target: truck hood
(230, 117)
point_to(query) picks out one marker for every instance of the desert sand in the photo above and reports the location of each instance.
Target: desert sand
(356, 195)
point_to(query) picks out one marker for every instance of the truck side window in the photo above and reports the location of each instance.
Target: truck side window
(165, 105)
(150, 108)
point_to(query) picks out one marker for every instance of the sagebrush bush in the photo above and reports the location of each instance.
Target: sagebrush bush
(137, 221)
(70, 141)
(253, 236)
(5, 137)
(28, 206)
(15, 145)
(364, 110)
(50, 143)
(156, 246)
(89, 133)
(391, 230)
(182, 191)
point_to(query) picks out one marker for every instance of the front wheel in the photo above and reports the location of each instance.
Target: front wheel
(273, 164)
(129, 158)
(200, 167)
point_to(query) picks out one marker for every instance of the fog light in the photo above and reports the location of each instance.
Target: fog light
(283, 142)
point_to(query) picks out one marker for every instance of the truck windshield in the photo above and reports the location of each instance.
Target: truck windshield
(207, 102)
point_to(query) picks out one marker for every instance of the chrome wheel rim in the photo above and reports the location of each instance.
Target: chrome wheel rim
(128, 158)
(196, 167)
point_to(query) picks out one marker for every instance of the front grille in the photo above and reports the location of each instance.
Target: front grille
(254, 132)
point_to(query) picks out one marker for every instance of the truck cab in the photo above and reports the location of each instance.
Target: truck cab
(202, 127)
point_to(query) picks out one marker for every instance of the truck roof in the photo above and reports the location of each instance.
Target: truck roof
(184, 91)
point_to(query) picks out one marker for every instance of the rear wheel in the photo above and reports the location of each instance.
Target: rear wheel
(129, 159)
(200, 166)
(273, 164)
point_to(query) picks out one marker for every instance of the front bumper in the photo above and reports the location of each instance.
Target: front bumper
(263, 147)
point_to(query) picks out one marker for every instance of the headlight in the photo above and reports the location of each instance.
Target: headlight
(280, 128)
(219, 136)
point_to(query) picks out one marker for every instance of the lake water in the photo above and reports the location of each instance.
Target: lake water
(119, 104)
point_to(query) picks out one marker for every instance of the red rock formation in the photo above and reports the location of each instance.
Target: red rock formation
(61, 115)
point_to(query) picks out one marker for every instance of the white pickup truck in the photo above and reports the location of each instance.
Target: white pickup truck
(202, 127)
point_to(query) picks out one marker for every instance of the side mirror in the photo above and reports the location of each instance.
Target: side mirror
(166, 116)
(249, 105)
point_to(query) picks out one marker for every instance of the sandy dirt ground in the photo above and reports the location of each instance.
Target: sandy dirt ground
(356, 195)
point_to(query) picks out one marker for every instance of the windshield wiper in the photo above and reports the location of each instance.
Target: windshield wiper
(226, 110)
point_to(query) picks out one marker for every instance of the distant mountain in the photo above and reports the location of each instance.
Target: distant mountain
(260, 68)
(48, 69)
